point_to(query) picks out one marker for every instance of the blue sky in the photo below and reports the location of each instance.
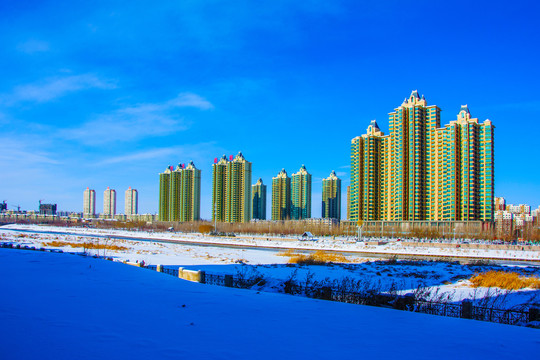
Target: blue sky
(108, 93)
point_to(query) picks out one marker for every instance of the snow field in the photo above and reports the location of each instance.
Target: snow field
(438, 280)
(70, 307)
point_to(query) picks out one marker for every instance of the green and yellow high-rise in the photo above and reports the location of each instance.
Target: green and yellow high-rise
(301, 195)
(219, 188)
(180, 193)
(190, 193)
(231, 199)
(281, 196)
(422, 171)
(164, 187)
(258, 205)
(331, 197)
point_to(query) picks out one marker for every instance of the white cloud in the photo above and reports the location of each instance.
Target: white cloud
(138, 156)
(33, 46)
(341, 173)
(19, 153)
(194, 152)
(191, 100)
(138, 121)
(53, 88)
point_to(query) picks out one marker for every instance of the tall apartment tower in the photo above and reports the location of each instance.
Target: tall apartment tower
(281, 196)
(231, 189)
(190, 194)
(238, 194)
(89, 203)
(132, 202)
(109, 202)
(219, 188)
(258, 205)
(422, 171)
(164, 193)
(348, 202)
(180, 193)
(301, 194)
(331, 197)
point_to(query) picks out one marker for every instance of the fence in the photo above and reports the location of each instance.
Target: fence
(465, 309)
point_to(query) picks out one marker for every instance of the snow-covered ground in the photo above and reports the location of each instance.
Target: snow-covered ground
(392, 247)
(443, 280)
(61, 306)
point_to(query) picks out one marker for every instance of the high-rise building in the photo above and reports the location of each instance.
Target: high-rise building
(180, 193)
(164, 193)
(331, 197)
(301, 194)
(422, 171)
(348, 202)
(281, 196)
(231, 189)
(89, 203)
(258, 194)
(190, 194)
(109, 202)
(132, 202)
(219, 188)
(238, 204)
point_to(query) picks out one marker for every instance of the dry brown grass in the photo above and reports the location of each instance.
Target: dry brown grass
(205, 228)
(505, 280)
(87, 245)
(319, 257)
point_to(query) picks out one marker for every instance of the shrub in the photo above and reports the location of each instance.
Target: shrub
(87, 245)
(504, 280)
(205, 228)
(319, 257)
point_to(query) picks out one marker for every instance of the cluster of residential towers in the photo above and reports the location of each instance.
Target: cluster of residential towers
(235, 199)
(109, 202)
(419, 171)
(422, 171)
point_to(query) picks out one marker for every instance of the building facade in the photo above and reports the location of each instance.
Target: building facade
(348, 202)
(422, 171)
(258, 205)
(47, 209)
(109, 203)
(89, 203)
(131, 202)
(331, 197)
(521, 209)
(500, 204)
(180, 193)
(301, 194)
(281, 196)
(231, 189)
(219, 188)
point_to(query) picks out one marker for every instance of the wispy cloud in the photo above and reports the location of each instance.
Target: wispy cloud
(138, 156)
(33, 46)
(53, 88)
(341, 173)
(190, 100)
(19, 153)
(345, 167)
(137, 121)
(179, 152)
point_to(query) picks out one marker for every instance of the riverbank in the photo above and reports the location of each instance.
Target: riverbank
(390, 247)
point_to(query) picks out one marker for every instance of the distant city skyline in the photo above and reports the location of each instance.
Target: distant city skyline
(103, 94)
